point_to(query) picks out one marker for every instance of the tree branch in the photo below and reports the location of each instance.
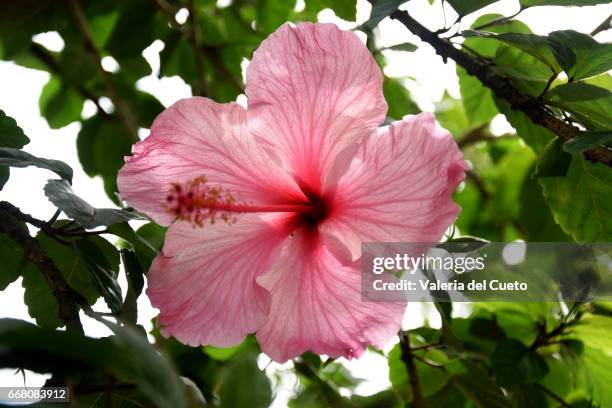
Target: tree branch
(123, 110)
(501, 86)
(65, 295)
(408, 359)
(605, 25)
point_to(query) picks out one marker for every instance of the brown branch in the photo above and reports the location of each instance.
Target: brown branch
(194, 40)
(501, 86)
(408, 359)
(65, 295)
(605, 25)
(123, 110)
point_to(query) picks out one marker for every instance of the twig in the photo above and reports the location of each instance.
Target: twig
(501, 86)
(123, 111)
(605, 25)
(65, 295)
(552, 395)
(498, 21)
(194, 37)
(408, 359)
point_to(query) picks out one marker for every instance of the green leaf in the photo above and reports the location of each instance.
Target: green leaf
(103, 275)
(62, 196)
(398, 98)
(244, 384)
(41, 303)
(102, 145)
(227, 353)
(141, 363)
(406, 46)
(536, 136)
(12, 260)
(345, 9)
(431, 379)
(581, 201)
(478, 388)
(59, 104)
(135, 279)
(533, 3)
(39, 299)
(382, 9)
(591, 57)
(465, 7)
(271, 14)
(145, 250)
(477, 99)
(18, 158)
(463, 244)
(513, 364)
(535, 216)
(133, 30)
(127, 355)
(554, 162)
(451, 115)
(587, 140)
(387, 399)
(536, 45)
(11, 135)
(590, 104)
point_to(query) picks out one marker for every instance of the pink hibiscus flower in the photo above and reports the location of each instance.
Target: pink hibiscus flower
(285, 192)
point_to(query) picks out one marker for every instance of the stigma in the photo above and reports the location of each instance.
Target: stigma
(198, 203)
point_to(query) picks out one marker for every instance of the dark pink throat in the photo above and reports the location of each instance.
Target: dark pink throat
(315, 213)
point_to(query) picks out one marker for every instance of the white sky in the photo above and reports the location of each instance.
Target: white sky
(20, 89)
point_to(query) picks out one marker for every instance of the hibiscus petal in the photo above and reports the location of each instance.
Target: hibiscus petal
(399, 186)
(197, 137)
(313, 90)
(204, 281)
(317, 306)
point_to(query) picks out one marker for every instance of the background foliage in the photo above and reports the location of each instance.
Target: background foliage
(535, 184)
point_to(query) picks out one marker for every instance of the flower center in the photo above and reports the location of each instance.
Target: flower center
(316, 212)
(197, 203)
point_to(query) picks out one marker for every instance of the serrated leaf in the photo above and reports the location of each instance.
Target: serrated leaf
(587, 140)
(62, 196)
(18, 158)
(554, 162)
(536, 136)
(536, 45)
(590, 104)
(581, 201)
(591, 58)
